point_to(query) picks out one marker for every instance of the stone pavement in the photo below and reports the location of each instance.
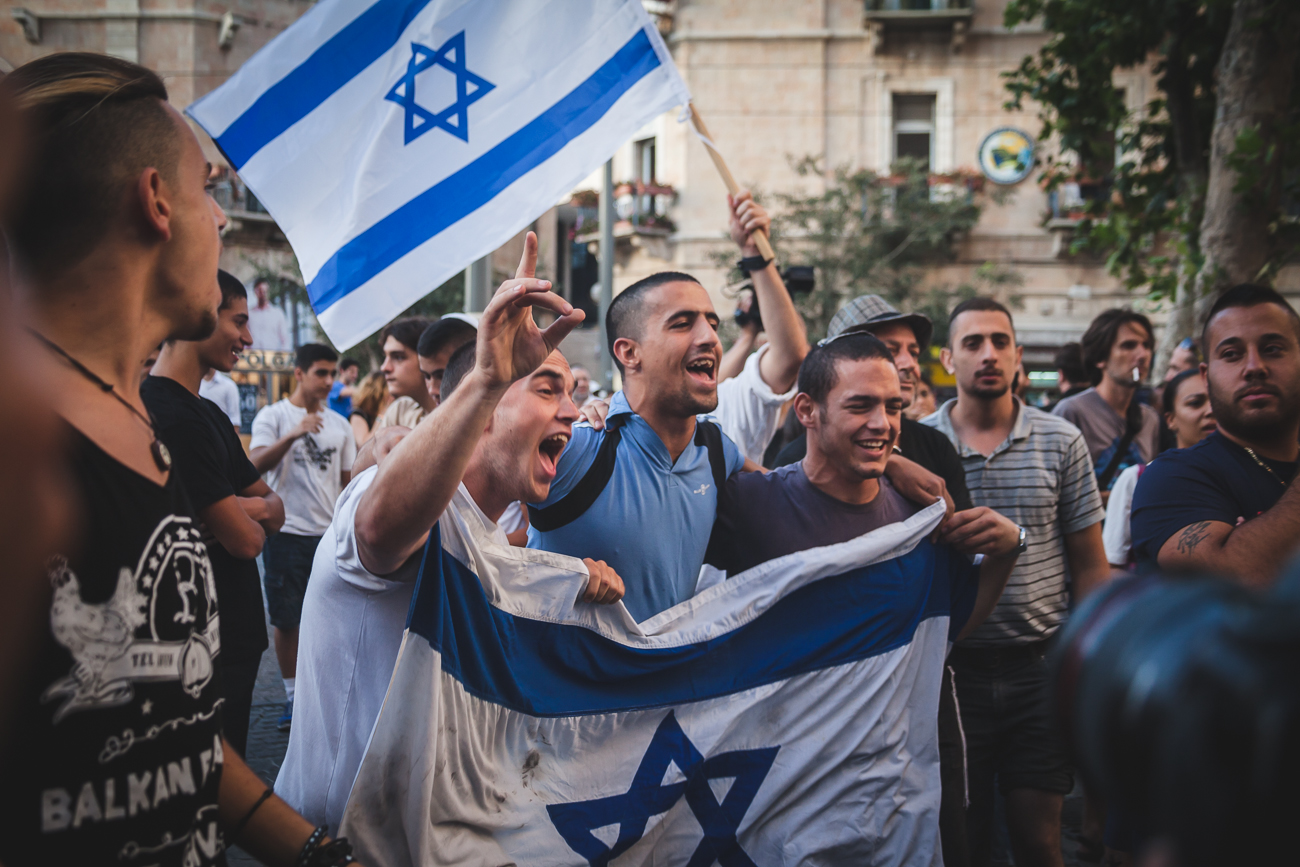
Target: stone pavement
(266, 745)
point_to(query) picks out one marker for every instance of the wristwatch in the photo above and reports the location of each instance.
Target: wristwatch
(752, 263)
(1023, 544)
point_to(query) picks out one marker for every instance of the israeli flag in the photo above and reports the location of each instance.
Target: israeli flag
(397, 141)
(785, 716)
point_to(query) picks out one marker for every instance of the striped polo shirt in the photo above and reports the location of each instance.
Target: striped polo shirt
(1041, 477)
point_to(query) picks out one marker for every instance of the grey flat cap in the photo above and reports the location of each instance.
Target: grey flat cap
(865, 312)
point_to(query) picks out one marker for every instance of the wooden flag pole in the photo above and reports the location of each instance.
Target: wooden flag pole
(760, 237)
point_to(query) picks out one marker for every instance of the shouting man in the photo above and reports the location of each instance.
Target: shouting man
(507, 413)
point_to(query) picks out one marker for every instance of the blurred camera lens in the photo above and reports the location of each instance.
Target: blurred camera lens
(1178, 699)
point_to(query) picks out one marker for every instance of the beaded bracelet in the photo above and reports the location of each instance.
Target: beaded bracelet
(335, 853)
(308, 848)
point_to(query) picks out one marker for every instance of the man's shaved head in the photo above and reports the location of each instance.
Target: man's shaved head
(625, 315)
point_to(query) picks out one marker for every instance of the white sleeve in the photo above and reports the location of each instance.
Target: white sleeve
(266, 429)
(348, 455)
(1116, 534)
(748, 410)
(347, 558)
(232, 403)
(512, 519)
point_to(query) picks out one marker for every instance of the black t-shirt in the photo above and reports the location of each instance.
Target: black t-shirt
(1214, 480)
(918, 442)
(118, 755)
(210, 462)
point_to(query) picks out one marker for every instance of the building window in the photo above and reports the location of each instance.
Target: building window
(914, 127)
(645, 176)
(645, 161)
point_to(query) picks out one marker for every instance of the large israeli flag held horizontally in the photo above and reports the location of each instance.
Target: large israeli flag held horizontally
(397, 141)
(784, 717)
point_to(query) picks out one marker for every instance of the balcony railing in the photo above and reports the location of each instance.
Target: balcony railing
(907, 8)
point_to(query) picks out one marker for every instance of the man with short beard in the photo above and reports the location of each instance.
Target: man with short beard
(1226, 506)
(642, 492)
(1033, 468)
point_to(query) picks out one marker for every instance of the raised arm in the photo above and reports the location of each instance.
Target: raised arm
(417, 479)
(786, 334)
(266, 458)
(1251, 553)
(733, 360)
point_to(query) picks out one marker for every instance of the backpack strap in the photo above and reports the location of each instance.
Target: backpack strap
(709, 435)
(1132, 424)
(574, 504)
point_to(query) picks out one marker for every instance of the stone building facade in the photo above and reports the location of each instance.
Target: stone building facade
(195, 46)
(856, 84)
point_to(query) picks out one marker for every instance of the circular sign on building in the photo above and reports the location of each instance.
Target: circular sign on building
(1006, 155)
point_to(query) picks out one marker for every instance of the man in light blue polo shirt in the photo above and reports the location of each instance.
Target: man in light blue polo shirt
(655, 511)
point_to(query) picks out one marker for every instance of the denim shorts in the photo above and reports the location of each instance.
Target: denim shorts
(1005, 714)
(287, 559)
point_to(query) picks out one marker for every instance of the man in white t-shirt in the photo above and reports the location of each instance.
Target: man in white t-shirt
(266, 321)
(306, 450)
(222, 390)
(506, 415)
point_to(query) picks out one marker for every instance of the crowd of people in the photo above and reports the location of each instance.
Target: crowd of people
(127, 696)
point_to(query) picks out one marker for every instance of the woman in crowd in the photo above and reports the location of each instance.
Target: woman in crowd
(925, 402)
(1190, 419)
(371, 399)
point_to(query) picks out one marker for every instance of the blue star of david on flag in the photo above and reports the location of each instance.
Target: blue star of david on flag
(453, 119)
(648, 796)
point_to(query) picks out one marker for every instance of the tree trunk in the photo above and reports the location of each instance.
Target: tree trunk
(1253, 82)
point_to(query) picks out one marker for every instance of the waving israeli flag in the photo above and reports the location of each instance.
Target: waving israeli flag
(397, 141)
(786, 716)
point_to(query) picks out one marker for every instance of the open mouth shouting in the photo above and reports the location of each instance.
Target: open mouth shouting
(703, 370)
(550, 450)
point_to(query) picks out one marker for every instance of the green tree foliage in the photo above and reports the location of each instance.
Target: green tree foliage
(1145, 214)
(871, 233)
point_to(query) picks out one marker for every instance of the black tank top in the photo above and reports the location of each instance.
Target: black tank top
(117, 754)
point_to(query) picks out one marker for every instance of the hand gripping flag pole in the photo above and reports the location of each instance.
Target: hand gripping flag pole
(760, 237)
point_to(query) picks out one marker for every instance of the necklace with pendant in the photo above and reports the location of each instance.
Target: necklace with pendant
(1254, 457)
(161, 457)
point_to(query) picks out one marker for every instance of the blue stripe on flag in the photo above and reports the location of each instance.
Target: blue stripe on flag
(549, 669)
(464, 192)
(367, 38)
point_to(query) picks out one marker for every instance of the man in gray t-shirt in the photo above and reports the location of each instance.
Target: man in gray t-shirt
(769, 515)
(849, 401)
(1117, 350)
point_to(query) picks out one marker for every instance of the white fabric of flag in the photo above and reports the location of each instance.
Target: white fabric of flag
(785, 716)
(397, 141)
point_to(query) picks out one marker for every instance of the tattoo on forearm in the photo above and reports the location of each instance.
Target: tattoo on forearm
(1192, 535)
